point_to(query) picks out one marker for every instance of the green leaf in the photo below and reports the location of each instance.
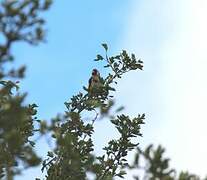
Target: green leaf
(32, 143)
(136, 159)
(106, 66)
(99, 58)
(105, 46)
(120, 109)
(121, 174)
(86, 89)
(50, 154)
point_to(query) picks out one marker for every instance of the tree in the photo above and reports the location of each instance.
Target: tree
(73, 157)
(156, 166)
(19, 21)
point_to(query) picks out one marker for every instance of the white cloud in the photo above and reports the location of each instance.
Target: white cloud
(171, 37)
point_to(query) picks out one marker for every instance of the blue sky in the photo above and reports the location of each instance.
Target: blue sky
(169, 36)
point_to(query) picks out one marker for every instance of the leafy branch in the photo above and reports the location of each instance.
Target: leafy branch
(73, 155)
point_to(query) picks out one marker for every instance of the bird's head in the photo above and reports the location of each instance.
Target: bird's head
(95, 72)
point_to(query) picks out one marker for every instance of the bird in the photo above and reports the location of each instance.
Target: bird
(94, 80)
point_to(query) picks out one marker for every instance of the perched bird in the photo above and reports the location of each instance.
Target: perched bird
(94, 81)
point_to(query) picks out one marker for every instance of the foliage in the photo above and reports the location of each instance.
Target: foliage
(16, 127)
(73, 156)
(19, 21)
(155, 166)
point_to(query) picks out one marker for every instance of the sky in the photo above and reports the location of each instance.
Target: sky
(169, 36)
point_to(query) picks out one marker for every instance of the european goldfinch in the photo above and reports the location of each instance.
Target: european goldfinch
(94, 81)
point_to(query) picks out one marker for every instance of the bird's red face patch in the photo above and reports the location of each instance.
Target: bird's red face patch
(94, 72)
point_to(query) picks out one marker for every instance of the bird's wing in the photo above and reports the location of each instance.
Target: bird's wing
(90, 82)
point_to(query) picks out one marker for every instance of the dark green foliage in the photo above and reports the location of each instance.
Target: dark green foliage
(73, 156)
(114, 159)
(16, 127)
(121, 63)
(156, 166)
(19, 21)
(187, 176)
